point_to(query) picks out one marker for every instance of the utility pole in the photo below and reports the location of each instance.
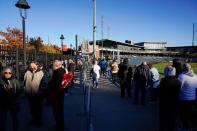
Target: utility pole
(76, 42)
(102, 34)
(94, 28)
(193, 34)
(62, 38)
(108, 31)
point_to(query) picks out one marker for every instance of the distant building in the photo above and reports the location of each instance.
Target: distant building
(109, 47)
(113, 48)
(154, 46)
(184, 50)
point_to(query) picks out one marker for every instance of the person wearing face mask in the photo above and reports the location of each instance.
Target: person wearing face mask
(35, 83)
(9, 98)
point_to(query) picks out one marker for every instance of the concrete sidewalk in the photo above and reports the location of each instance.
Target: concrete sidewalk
(110, 112)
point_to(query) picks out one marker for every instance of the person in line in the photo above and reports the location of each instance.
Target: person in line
(155, 80)
(95, 72)
(114, 68)
(177, 63)
(129, 81)
(56, 95)
(81, 69)
(1, 66)
(103, 66)
(35, 83)
(71, 67)
(122, 73)
(50, 69)
(142, 80)
(168, 94)
(187, 95)
(109, 70)
(9, 98)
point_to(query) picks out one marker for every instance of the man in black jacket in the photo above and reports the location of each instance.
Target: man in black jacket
(122, 73)
(141, 79)
(56, 96)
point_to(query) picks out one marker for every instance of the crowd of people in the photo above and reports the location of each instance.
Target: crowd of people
(39, 84)
(175, 92)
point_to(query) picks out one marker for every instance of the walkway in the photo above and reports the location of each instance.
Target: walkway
(109, 112)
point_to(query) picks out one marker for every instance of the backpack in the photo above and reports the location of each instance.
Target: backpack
(103, 64)
(141, 74)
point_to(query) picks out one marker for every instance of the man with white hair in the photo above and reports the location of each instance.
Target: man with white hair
(56, 96)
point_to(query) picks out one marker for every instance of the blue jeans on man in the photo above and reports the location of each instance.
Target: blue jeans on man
(95, 82)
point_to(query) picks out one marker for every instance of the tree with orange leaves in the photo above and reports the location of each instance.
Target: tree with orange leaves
(12, 37)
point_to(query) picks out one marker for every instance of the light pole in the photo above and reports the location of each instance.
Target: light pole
(62, 38)
(23, 5)
(193, 34)
(102, 35)
(71, 48)
(76, 42)
(94, 28)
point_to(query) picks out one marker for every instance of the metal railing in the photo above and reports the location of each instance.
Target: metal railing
(13, 57)
(87, 100)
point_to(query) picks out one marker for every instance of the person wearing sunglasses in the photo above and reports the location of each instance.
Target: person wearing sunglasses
(9, 98)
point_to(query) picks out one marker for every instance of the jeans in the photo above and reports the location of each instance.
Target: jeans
(114, 77)
(109, 73)
(95, 82)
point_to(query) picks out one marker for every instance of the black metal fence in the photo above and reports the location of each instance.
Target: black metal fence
(12, 56)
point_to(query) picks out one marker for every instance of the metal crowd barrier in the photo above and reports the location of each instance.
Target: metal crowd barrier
(87, 101)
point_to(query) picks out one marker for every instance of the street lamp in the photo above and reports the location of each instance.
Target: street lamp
(62, 38)
(94, 28)
(71, 48)
(23, 5)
